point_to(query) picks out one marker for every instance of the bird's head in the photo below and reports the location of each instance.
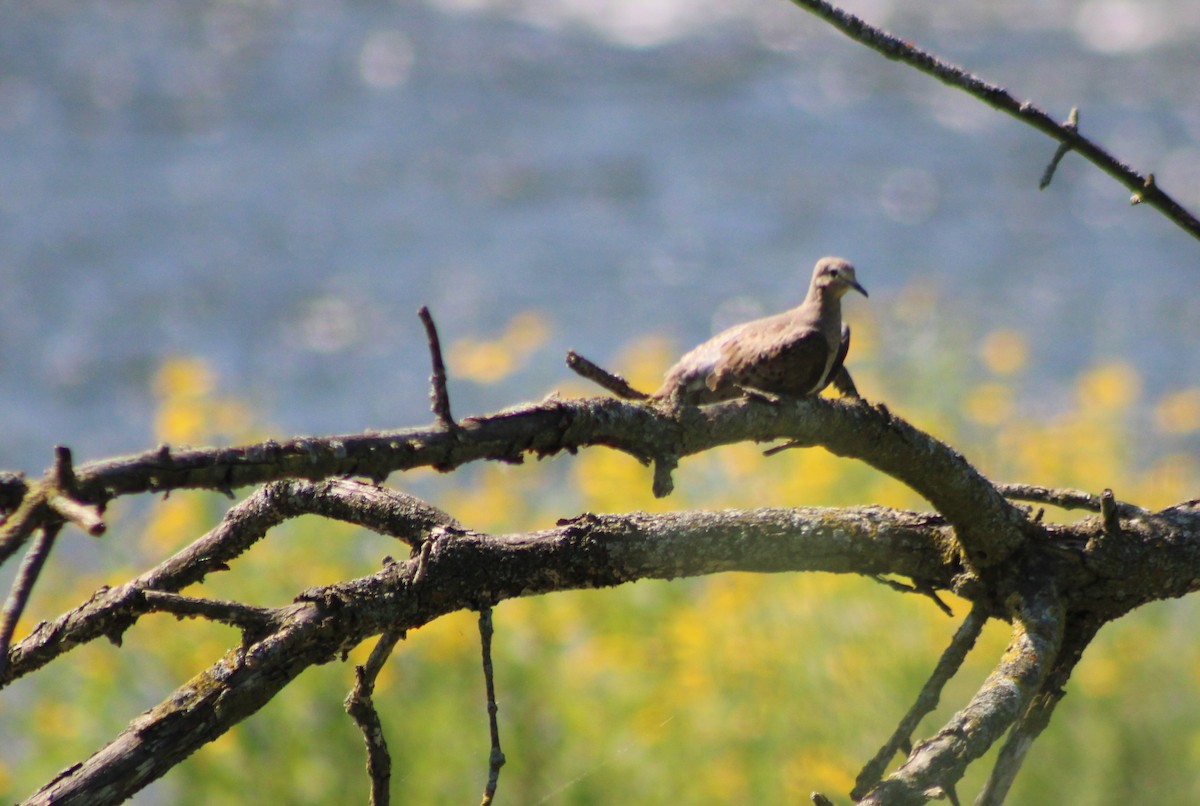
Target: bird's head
(835, 275)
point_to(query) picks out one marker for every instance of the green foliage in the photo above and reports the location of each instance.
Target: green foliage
(728, 689)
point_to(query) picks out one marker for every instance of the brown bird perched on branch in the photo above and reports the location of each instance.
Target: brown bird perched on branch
(796, 353)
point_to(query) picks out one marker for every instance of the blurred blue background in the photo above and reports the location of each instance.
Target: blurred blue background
(277, 187)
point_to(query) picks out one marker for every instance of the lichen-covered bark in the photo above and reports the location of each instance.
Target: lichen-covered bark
(987, 550)
(939, 762)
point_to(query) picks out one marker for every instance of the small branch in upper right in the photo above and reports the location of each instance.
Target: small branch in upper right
(893, 47)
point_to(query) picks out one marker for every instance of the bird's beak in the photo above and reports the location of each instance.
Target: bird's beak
(854, 284)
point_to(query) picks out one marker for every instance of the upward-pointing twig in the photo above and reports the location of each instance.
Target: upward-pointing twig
(438, 393)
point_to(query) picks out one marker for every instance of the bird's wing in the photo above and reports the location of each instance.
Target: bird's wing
(687, 375)
(781, 360)
(838, 375)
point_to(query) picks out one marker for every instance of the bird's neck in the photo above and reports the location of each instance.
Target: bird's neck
(828, 307)
(823, 298)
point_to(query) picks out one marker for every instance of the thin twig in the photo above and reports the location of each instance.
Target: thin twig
(947, 666)
(85, 516)
(62, 481)
(61, 498)
(63, 472)
(235, 614)
(361, 708)
(51, 499)
(1067, 499)
(918, 588)
(1145, 190)
(791, 443)
(438, 393)
(22, 521)
(22, 587)
(603, 378)
(1063, 147)
(423, 561)
(496, 756)
(1109, 514)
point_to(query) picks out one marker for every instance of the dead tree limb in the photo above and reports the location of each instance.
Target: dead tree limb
(937, 764)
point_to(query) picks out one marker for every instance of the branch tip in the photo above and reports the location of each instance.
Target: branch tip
(64, 471)
(439, 396)
(1109, 513)
(603, 378)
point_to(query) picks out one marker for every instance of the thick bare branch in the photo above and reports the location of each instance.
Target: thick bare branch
(989, 527)
(462, 569)
(947, 666)
(206, 706)
(111, 611)
(937, 764)
(1078, 634)
(457, 569)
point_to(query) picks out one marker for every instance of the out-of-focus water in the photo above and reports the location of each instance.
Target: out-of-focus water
(277, 187)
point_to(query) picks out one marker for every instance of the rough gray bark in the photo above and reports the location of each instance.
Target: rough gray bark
(1044, 578)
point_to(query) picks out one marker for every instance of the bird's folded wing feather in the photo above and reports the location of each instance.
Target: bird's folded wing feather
(838, 375)
(785, 361)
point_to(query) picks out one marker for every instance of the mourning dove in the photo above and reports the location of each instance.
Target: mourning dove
(796, 353)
